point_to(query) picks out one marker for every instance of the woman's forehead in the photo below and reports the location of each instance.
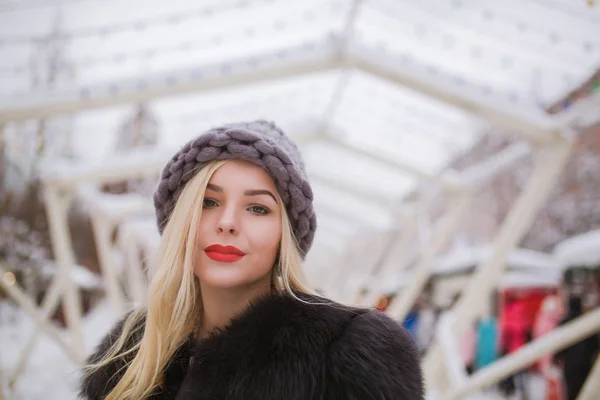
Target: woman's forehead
(242, 174)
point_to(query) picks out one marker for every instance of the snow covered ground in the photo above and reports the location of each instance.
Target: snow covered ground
(49, 373)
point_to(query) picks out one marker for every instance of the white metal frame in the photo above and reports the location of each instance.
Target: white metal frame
(41, 318)
(443, 230)
(359, 266)
(591, 388)
(548, 164)
(536, 128)
(134, 241)
(57, 202)
(321, 57)
(394, 260)
(59, 188)
(104, 223)
(472, 178)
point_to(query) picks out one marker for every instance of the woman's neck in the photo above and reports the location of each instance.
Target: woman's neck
(221, 305)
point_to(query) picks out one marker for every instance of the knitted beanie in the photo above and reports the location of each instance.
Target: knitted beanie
(259, 142)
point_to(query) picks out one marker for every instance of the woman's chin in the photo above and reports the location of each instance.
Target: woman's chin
(226, 277)
(222, 279)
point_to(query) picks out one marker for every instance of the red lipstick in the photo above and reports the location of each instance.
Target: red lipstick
(224, 253)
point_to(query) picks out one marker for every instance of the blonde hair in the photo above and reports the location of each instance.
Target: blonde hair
(174, 294)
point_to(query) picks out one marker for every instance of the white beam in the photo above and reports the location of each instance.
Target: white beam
(591, 388)
(492, 166)
(57, 205)
(549, 162)
(331, 209)
(450, 347)
(40, 319)
(136, 281)
(138, 235)
(400, 307)
(128, 165)
(548, 165)
(103, 230)
(539, 129)
(310, 58)
(371, 197)
(301, 62)
(440, 180)
(350, 274)
(395, 260)
(48, 307)
(115, 208)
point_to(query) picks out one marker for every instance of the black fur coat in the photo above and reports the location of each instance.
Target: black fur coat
(283, 349)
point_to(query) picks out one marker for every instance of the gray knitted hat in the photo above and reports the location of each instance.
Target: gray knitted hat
(259, 142)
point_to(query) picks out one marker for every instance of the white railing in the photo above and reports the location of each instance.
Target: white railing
(562, 337)
(451, 350)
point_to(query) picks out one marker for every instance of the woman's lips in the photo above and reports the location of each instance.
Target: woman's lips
(221, 253)
(222, 257)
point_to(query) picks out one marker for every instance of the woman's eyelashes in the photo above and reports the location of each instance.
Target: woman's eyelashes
(255, 208)
(259, 210)
(209, 203)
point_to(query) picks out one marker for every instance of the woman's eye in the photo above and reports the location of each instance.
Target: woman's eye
(209, 203)
(259, 210)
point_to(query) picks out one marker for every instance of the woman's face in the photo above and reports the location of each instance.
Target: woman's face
(240, 228)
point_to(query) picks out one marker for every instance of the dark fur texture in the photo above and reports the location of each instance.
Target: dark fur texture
(280, 348)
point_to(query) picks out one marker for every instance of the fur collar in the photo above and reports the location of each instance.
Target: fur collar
(284, 348)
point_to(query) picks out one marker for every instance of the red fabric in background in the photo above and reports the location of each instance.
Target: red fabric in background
(517, 319)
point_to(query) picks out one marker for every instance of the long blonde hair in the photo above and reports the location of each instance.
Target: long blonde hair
(174, 294)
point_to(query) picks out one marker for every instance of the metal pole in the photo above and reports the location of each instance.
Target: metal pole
(29, 307)
(395, 260)
(102, 233)
(591, 388)
(400, 307)
(365, 265)
(397, 164)
(56, 210)
(49, 304)
(135, 276)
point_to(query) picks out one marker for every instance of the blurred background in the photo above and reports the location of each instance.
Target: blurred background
(453, 147)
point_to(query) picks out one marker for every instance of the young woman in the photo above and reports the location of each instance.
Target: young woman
(229, 315)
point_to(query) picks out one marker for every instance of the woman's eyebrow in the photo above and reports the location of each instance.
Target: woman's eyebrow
(253, 192)
(258, 192)
(216, 188)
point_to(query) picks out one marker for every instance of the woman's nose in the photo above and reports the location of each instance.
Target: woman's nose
(228, 221)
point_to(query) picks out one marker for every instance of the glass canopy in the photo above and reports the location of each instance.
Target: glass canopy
(197, 64)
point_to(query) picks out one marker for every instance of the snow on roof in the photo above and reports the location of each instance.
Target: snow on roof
(82, 276)
(125, 165)
(141, 230)
(462, 260)
(580, 250)
(115, 206)
(515, 280)
(389, 285)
